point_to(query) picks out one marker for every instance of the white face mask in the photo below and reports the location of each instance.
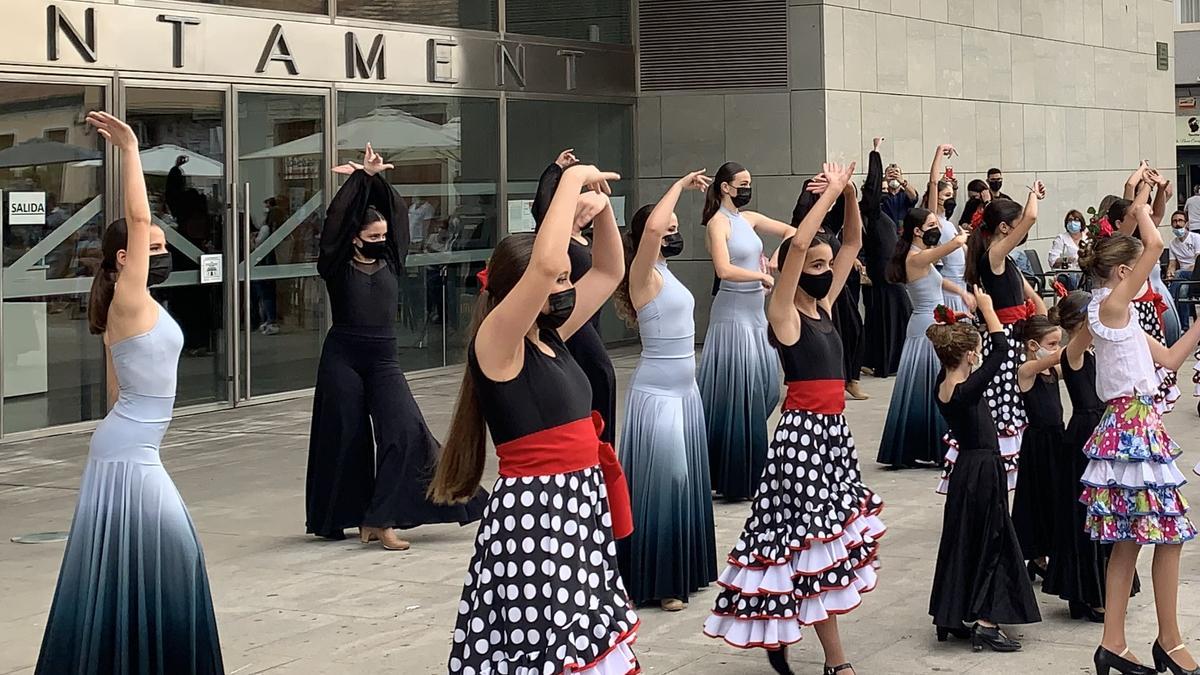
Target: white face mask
(894, 184)
(1042, 352)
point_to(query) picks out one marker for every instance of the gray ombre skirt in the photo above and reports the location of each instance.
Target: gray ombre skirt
(739, 383)
(132, 593)
(664, 452)
(914, 428)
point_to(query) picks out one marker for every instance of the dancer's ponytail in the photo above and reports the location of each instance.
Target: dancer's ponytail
(632, 239)
(104, 284)
(713, 197)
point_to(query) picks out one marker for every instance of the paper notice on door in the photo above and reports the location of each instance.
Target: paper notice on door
(210, 268)
(27, 208)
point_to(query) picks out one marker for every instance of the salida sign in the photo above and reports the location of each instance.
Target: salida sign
(27, 208)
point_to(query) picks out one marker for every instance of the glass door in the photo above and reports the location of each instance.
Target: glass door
(281, 174)
(184, 157)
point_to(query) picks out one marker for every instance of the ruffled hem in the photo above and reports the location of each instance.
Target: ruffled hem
(816, 554)
(1168, 390)
(1124, 502)
(1143, 530)
(1132, 475)
(864, 523)
(1010, 462)
(618, 660)
(1132, 431)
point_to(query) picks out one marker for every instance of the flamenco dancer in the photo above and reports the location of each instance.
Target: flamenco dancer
(939, 198)
(376, 484)
(1076, 569)
(585, 345)
(1131, 484)
(132, 593)
(542, 592)
(979, 581)
(1005, 225)
(672, 551)
(1144, 176)
(1042, 442)
(913, 432)
(887, 305)
(739, 373)
(807, 551)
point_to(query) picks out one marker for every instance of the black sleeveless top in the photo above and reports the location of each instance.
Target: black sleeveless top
(967, 412)
(1007, 289)
(1081, 385)
(547, 393)
(817, 355)
(1043, 403)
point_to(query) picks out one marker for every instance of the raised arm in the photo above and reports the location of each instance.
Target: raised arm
(1172, 358)
(974, 386)
(608, 268)
(644, 282)
(762, 223)
(852, 237)
(1162, 197)
(935, 174)
(130, 291)
(872, 198)
(1135, 179)
(1080, 342)
(1000, 249)
(930, 256)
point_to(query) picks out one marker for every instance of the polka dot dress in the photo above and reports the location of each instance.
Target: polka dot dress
(808, 550)
(542, 594)
(1004, 398)
(1151, 323)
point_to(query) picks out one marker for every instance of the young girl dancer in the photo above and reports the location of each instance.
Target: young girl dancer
(1076, 569)
(913, 432)
(132, 593)
(586, 345)
(807, 551)
(1004, 226)
(979, 580)
(370, 454)
(1131, 485)
(739, 374)
(1041, 444)
(953, 266)
(672, 551)
(542, 592)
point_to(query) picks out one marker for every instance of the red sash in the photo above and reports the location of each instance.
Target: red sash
(1154, 296)
(571, 447)
(1011, 315)
(820, 396)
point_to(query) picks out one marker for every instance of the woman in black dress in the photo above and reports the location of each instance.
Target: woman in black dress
(586, 345)
(887, 304)
(542, 593)
(980, 579)
(370, 454)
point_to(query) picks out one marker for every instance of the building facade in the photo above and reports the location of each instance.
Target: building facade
(242, 106)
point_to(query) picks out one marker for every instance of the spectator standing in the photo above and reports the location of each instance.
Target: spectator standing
(900, 195)
(1183, 250)
(995, 181)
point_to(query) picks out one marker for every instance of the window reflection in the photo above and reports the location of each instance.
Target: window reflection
(593, 21)
(478, 14)
(306, 6)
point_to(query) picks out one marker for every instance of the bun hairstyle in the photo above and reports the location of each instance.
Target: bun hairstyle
(1071, 311)
(1101, 256)
(897, 269)
(712, 198)
(460, 467)
(952, 340)
(996, 213)
(1037, 327)
(371, 217)
(631, 240)
(104, 284)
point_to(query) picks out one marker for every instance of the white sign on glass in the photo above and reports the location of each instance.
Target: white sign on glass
(210, 268)
(27, 208)
(520, 215)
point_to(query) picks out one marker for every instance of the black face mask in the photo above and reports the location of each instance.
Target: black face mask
(817, 285)
(374, 250)
(742, 197)
(994, 186)
(672, 245)
(949, 205)
(931, 238)
(562, 305)
(160, 269)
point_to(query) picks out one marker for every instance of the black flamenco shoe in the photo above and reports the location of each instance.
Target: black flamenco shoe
(834, 670)
(1035, 571)
(945, 633)
(993, 638)
(1106, 661)
(779, 662)
(1080, 610)
(1163, 661)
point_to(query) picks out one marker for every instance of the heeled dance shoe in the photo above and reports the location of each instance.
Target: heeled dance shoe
(385, 536)
(946, 632)
(1107, 661)
(672, 605)
(993, 638)
(1081, 611)
(1035, 571)
(778, 660)
(855, 392)
(1163, 661)
(834, 670)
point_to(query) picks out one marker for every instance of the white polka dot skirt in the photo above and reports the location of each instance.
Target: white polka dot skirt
(1168, 382)
(1010, 465)
(542, 594)
(1004, 400)
(808, 550)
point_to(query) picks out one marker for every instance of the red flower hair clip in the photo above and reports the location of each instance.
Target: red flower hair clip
(482, 277)
(944, 316)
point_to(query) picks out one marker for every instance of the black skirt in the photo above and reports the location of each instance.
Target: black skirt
(1033, 501)
(849, 324)
(980, 573)
(887, 311)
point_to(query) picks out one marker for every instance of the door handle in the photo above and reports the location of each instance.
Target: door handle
(246, 243)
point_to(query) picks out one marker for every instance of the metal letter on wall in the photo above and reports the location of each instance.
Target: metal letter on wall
(85, 44)
(507, 63)
(366, 68)
(440, 60)
(277, 49)
(571, 55)
(178, 22)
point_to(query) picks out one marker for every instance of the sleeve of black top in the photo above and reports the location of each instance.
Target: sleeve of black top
(872, 199)
(978, 382)
(547, 184)
(344, 220)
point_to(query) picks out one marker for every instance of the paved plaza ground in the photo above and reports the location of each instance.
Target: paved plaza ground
(288, 603)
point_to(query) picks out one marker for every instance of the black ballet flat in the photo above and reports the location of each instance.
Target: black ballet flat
(1035, 571)
(1081, 611)
(779, 662)
(1106, 661)
(946, 632)
(993, 638)
(834, 670)
(1163, 661)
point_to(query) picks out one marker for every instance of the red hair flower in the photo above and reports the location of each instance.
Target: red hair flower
(945, 316)
(482, 277)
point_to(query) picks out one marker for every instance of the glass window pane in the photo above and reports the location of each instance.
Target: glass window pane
(446, 153)
(600, 133)
(590, 20)
(306, 6)
(52, 181)
(478, 14)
